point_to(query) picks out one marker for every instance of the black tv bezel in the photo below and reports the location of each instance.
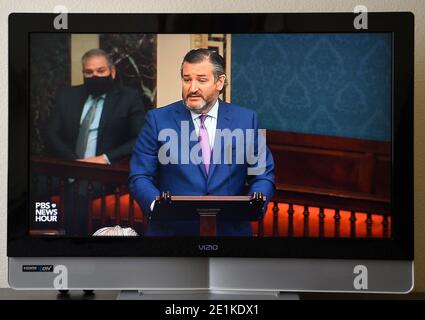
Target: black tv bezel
(399, 247)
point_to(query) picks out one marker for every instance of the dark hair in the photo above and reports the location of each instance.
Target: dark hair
(201, 54)
(95, 53)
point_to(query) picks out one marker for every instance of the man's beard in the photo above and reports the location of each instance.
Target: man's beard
(198, 109)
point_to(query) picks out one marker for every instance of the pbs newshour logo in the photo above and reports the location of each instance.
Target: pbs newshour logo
(46, 212)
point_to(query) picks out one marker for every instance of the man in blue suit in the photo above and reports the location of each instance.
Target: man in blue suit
(173, 151)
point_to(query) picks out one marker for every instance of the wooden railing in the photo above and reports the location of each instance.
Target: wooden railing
(342, 174)
(329, 200)
(113, 176)
(342, 165)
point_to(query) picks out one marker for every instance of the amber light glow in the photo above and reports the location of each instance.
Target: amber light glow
(344, 229)
(377, 229)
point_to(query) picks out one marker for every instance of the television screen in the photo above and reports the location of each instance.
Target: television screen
(269, 139)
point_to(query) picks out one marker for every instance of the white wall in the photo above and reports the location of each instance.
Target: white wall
(175, 6)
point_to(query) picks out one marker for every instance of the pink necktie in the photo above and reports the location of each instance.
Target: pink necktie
(205, 143)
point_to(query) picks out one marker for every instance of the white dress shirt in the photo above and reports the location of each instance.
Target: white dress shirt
(94, 126)
(210, 122)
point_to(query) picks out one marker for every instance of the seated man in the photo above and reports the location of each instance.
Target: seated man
(96, 122)
(221, 171)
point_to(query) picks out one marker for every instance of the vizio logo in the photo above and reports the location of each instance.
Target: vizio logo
(208, 247)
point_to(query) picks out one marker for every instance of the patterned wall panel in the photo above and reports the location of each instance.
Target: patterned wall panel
(135, 58)
(329, 84)
(49, 71)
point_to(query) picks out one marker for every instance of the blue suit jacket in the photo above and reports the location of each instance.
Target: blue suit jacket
(148, 177)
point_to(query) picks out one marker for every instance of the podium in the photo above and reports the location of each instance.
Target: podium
(208, 209)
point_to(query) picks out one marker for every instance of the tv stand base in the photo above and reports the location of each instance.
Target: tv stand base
(205, 295)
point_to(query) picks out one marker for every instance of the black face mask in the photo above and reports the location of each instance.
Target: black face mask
(97, 86)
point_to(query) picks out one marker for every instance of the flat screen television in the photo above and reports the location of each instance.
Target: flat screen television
(331, 209)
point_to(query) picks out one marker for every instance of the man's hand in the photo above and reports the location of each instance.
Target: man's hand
(99, 159)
